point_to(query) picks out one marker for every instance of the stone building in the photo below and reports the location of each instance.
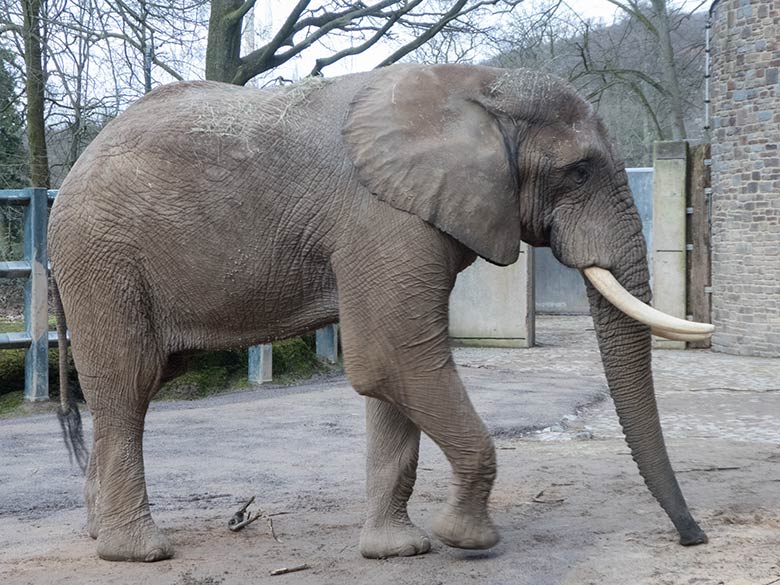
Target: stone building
(745, 137)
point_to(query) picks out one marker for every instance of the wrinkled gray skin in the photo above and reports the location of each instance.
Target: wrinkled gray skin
(210, 216)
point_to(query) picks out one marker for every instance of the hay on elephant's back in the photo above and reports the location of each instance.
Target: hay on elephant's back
(297, 93)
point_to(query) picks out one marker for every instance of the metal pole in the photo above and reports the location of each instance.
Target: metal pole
(260, 363)
(36, 297)
(328, 343)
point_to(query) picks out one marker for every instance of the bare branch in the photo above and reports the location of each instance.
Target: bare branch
(426, 36)
(633, 9)
(355, 50)
(243, 10)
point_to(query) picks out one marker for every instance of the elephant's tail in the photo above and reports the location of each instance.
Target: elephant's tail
(68, 412)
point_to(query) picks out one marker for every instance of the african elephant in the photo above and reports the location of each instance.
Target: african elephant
(357, 199)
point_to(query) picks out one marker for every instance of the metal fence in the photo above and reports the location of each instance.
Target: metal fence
(36, 338)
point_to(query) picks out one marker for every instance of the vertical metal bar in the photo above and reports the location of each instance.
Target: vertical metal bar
(260, 363)
(328, 343)
(36, 297)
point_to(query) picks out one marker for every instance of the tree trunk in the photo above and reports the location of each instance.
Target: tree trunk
(670, 70)
(223, 50)
(35, 86)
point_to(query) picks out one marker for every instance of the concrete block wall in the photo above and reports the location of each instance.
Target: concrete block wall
(745, 136)
(492, 306)
(668, 243)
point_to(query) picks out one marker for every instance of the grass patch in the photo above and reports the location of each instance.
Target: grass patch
(10, 402)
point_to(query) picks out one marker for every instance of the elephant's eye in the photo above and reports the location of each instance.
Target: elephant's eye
(580, 173)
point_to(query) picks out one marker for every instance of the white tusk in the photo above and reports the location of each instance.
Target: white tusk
(666, 334)
(665, 324)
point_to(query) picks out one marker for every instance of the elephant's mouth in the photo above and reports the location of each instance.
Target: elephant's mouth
(661, 324)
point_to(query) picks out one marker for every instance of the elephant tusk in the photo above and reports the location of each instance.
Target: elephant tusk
(666, 334)
(663, 325)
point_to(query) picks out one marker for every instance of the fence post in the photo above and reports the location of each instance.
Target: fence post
(36, 296)
(261, 363)
(699, 263)
(328, 343)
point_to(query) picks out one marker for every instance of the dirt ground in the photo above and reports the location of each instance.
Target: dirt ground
(568, 500)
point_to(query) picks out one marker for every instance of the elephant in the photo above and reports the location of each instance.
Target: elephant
(209, 216)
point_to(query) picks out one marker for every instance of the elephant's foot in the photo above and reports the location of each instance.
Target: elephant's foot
(393, 539)
(465, 530)
(140, 540)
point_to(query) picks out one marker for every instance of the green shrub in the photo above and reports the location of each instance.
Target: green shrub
(205, 374)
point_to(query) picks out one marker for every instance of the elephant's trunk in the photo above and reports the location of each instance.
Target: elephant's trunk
(625, 353)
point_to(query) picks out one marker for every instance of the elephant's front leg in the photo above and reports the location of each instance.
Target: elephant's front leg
(394, 288)
(391, 468)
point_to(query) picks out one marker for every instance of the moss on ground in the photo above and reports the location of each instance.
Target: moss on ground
(11, 402)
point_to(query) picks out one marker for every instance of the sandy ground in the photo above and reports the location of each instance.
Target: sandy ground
(569, 502)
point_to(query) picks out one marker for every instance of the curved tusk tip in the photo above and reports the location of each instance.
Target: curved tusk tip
(677, 336)
(665, 325)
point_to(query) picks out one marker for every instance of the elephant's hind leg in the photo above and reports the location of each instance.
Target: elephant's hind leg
(391, 469)
(118, 391)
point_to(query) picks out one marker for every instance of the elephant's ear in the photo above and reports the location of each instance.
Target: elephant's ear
(422, 141)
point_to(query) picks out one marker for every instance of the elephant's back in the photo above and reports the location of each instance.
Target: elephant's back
(200, 135)
(193, 159)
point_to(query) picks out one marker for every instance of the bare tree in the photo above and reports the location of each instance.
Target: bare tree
(409, 23)
(620, 68)
(659, 20)
(35, 82)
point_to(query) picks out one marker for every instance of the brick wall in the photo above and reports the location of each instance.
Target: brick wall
(746, 177)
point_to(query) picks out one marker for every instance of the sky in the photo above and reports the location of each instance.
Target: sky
(275, 11)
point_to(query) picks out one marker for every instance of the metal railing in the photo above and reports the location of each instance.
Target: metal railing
(36, 338)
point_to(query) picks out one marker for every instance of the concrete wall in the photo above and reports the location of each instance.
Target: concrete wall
(668, 242)
(494, 306)
(745, 140)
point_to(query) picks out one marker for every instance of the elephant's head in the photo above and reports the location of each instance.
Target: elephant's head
(493, 157)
